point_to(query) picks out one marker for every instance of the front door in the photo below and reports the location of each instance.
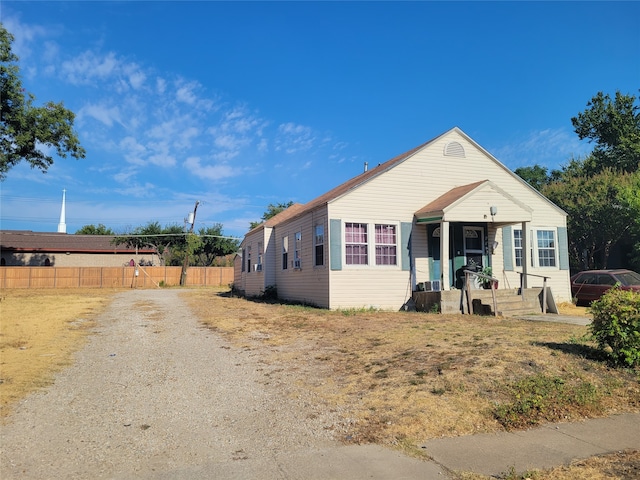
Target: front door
(474, 245)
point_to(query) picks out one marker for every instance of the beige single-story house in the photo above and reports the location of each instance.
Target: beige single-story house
(40, 249)
(411, 225)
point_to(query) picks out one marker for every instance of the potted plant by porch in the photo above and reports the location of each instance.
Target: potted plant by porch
(488, 271)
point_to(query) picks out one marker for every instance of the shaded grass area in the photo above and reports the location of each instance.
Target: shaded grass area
(39, 331)
(401, 378)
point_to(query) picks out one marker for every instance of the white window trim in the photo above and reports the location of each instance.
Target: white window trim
(533, 248)
(371, 245)
(297, 251)
(316, 245)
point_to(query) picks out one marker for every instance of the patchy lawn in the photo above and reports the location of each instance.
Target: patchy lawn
(399, 378)
(39, 332)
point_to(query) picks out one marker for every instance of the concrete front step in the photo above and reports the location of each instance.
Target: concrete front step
(509, 303)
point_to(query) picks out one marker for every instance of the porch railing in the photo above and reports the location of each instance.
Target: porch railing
(544, 288)
(468, 275)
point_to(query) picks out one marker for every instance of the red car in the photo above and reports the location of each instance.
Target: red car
(589, 285)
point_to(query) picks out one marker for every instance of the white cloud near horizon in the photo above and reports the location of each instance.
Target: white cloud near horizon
(549, 148)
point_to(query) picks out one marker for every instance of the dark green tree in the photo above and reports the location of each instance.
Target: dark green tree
(99, 229)
(23, 126)
(214, 245)
(535, 176)
(614, 126)
(599, 214)
(272, 211)
(169, 242)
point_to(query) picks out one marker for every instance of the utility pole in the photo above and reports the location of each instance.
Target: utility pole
(183, 277)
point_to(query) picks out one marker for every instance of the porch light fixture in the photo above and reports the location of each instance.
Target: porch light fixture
(494, 247)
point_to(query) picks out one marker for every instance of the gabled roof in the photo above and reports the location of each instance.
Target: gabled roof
(42, 242)
(286, 214)
(370, 174)
(465, 197)
(438, 206)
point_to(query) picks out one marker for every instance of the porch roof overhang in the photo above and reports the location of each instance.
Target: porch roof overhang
(481, 201)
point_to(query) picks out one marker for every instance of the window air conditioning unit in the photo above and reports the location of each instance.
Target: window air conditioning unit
(432, 286)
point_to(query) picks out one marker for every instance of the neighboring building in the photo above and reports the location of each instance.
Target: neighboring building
(412, 223)
(36, 249)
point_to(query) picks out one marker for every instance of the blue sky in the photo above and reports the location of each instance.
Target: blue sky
(238, 105)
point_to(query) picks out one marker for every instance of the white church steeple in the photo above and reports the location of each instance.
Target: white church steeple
(62, 226)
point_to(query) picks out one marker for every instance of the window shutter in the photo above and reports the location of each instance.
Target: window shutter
(563, 248)
(507, 248)
(405, 245)
(335, 244)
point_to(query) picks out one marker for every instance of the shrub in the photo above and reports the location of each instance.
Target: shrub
(616, 325)
(270, 293)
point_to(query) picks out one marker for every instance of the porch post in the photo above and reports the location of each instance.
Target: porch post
(444, 255)
(526, 254)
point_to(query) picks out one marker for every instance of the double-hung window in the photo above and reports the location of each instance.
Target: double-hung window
(296, 251)
(517, 245)
(546, 246)
(542, 250)
(260, 255)
(319, 245)
(285, 252)
(386, 245)
(249, 258)
(356, 244)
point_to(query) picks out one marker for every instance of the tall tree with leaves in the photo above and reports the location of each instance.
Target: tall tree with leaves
(99, 229)
(25, 128)
(169, 242)
(272, 211)
(614, 126)
(213, 245)
(599, 216)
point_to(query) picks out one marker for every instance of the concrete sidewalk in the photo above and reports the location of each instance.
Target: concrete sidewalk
(539, 448)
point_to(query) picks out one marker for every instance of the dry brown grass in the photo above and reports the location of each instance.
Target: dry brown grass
(39, 331)
(623, 465)
(395, 378)
(402, 378)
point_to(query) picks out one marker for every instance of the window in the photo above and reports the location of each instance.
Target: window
(249, 258)
(244, 255)
(386, 245)
(285, 252)
(542, 251)
(356, 244)
(296, 251)
(319, 245)
(260, 255)
(517, 245)
(546, 245)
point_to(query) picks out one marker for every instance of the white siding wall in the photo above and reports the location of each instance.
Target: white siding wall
(397, 194)
(253, 281)
(310, 283)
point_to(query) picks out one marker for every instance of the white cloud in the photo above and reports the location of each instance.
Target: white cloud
(210, 172)
(24, 35)
(550, 148)
(133, 151)
(102, 113)
(294, 138)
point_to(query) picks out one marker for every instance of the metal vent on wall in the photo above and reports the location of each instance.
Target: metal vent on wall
(454, 149)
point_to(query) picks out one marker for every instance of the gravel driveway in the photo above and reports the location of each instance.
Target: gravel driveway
(156, 395)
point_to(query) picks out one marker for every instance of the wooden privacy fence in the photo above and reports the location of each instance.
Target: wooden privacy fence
(111, 277)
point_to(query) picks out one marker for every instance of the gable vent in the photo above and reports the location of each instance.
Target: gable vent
(454, 149)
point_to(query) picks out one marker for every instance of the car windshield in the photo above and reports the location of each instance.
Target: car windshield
(628, 278)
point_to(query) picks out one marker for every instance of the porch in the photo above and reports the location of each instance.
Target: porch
(509, 302)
